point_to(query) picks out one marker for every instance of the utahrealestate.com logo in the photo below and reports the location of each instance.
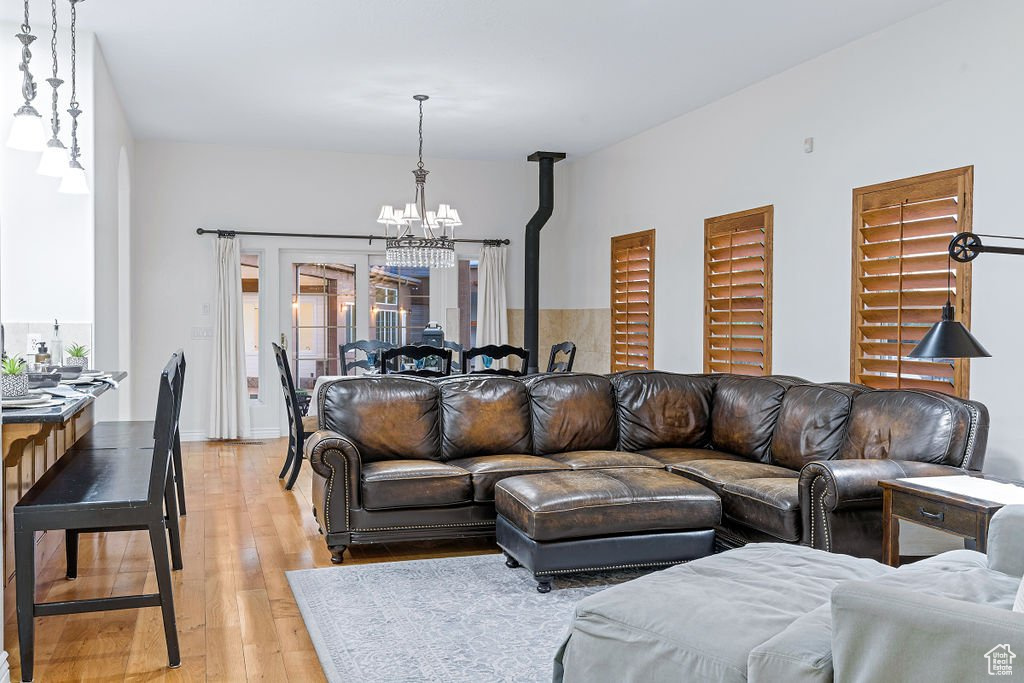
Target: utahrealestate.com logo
(1000, 660)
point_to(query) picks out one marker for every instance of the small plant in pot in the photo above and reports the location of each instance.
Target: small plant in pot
(78, 356)
(14, 378)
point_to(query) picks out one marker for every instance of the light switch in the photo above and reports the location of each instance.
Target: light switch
(202, 333)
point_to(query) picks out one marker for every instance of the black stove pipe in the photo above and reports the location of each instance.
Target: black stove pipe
(545, 206)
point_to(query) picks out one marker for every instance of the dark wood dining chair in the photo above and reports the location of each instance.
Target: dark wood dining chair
(389, 360)
(566, 348)
(370, 348)
(296, 431)
(140, 434)
(103, 490)
(495, 352)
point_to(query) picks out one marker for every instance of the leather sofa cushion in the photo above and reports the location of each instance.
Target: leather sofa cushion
(661, 409)
(811, 424)
(671, 456)
(907, 425)
(597, 460)
(572, 412)
(559, 505)
(413, 483)
(484, 416)
(486, 471)
(771, 505)
(716, 473)
(386, 417)
(744, 413)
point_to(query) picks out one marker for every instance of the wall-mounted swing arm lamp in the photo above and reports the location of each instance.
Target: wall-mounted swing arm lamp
(949, 338)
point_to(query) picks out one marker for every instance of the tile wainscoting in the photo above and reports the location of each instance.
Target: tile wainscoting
(589, 328)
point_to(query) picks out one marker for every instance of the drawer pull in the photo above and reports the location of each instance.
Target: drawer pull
(937, 516)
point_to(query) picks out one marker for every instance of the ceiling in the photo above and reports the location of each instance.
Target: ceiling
(506, 77)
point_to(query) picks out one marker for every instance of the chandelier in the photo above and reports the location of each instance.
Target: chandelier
(436, 247)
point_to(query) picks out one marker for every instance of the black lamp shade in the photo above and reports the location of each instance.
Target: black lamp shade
(949, 339)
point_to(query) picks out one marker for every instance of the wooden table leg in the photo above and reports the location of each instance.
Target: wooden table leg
(890, 532)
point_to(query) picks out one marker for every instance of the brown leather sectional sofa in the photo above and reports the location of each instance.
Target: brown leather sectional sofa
(407, 458)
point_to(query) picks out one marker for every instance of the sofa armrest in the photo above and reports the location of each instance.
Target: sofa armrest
(1006, 541)
(887, 633)
(841, 501)
(337, 462)
(849, 483)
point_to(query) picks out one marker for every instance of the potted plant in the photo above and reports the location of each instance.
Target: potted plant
(14, 378)
(78, 356)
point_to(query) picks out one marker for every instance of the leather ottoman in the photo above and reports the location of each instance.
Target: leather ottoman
(563, 522)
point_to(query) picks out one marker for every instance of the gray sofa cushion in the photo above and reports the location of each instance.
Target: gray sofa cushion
(800, 652)
(700, 621)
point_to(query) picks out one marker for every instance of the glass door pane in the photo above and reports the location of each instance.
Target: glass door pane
(323, 318)
(399, 302)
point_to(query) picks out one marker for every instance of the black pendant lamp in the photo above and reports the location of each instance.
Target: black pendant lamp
(949, 338)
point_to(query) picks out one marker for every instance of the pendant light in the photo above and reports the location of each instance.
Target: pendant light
(74, 181)
(27, 131)
(948, 338)
(436, 248)
(55, 157)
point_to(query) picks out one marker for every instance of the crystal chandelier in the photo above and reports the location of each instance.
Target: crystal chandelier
(436, 248)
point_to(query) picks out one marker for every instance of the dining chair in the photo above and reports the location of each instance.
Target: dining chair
(568, 349)
(371, 348)
(495, 352)
(104, 490)
(140, 434)
(296, 430)
(389, 359)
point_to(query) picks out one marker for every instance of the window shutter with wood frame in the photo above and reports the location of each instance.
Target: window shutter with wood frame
(738, 292)
(632, 301)
(901, 234)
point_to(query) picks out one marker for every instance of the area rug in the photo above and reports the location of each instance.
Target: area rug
(449, 620)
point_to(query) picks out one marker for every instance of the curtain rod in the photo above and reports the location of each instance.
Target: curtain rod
(370, 238)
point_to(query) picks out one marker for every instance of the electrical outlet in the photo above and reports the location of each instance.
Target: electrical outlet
(206, 309)
(33, 343)
(202, 333)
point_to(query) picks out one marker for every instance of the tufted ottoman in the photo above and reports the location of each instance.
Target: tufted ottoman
(563, 522)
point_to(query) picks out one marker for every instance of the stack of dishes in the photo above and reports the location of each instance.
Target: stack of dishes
(32, 400)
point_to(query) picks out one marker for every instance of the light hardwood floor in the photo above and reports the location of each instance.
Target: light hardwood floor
(237, 619)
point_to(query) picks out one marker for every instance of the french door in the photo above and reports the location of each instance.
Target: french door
(325, 299)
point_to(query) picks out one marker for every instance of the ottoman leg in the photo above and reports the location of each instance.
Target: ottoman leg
(543, 583)
(511, 562)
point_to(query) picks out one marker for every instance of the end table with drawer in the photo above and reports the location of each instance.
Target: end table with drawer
(952, 512)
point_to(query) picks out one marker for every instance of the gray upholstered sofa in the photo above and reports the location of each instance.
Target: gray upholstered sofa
(775, 612)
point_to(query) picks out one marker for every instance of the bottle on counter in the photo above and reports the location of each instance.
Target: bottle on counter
(43, 356)
(56, 346)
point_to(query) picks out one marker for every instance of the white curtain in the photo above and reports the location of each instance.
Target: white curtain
(229, 404)
(492, 300)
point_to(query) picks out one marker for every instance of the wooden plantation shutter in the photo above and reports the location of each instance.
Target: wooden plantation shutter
(633, 301)
(901, 234)
(738, 292)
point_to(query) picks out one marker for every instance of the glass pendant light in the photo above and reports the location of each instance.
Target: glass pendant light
(27, 131)
(55, 159)
(74, 181)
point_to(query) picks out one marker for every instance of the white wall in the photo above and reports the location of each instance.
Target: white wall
(180, 187)
(936, 91)
(46, 244)
(113, 150)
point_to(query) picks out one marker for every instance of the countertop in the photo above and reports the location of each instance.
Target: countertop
(62, 413)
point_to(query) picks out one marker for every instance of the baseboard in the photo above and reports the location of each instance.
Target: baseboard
(261, 433)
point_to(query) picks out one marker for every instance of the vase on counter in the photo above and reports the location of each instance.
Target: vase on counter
(77, 362)
(14, 386)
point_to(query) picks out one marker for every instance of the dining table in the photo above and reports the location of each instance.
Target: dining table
(34, 438)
